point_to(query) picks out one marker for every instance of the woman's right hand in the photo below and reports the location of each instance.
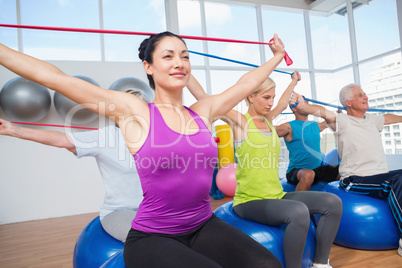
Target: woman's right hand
(277, 47)
(296, 76)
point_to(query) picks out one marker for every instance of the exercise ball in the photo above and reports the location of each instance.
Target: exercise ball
(126, 83)
(24, 100)
(367, 223)
(331, 158)
(226, 179)
(271, 237)
(288, 187)
(116, 261)
(94, 246)
(71, 111)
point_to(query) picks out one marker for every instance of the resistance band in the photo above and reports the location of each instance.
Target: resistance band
(50, 125)
(234, 61)
(83, 30)
(343, 108)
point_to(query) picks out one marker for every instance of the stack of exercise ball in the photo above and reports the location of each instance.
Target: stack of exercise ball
(226, 175)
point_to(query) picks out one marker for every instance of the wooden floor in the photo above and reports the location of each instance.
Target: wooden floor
(50, 244)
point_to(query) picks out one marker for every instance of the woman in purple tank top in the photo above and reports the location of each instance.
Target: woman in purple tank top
(174, 153)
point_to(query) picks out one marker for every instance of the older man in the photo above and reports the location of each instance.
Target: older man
(363, 168)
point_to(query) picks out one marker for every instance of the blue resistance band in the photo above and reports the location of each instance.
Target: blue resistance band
(234, 61)
(294, 105)
(341, 107)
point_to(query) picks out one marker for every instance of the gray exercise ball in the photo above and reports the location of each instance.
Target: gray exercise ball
(126, 83)
(71, 111)
(24, 100)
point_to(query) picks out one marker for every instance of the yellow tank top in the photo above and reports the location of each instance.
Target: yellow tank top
(257, 172)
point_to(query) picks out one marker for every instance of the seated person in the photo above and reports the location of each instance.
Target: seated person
(303, 140)
(363, 168)
(123, 193)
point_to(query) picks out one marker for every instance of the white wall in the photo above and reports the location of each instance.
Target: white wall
(38, 181)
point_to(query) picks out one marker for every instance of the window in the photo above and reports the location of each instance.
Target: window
(395, 127)
(8, 14)
(329, 85)
(385, 15)
(232, 22)
(331, 43)
(127, 15)
(290, 28)
(56, 45)
(190, 24)
(397, 134)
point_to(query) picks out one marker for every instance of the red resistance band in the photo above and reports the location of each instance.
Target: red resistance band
(50, 125)
(288, 60)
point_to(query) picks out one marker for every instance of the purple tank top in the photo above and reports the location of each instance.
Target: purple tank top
(176, 175)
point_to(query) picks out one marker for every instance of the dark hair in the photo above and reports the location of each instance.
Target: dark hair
(147, 48)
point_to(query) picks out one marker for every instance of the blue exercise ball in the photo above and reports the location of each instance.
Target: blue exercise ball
(94, 246)
(24, 100)
(288, 187)
(271, 237)
(125, 83)
(367, 223)
(116, 261)
(71, 111)
(331, 158)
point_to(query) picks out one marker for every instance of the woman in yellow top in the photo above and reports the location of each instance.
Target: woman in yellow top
(259, 194)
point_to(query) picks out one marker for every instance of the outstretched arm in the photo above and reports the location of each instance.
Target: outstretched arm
(96, 99)
(284, 100)
(46, 137)
(315, 110)
(392, 119)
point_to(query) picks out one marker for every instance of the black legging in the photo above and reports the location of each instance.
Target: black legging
(294, 209)
(215, 244)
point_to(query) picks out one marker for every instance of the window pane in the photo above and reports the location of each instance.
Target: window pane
(232, 22)
(55, 45)
(330, 41)
(290, 28)
(329, 85)
(128, 15)
(190, 24)
(376, 28)
(8, 15)
(382, 82)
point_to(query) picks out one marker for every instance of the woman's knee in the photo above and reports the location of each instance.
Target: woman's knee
(333, 204)
(300, 215)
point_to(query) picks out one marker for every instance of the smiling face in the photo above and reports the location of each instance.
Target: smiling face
(358, 100)
(170, 67)
(262, 102)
